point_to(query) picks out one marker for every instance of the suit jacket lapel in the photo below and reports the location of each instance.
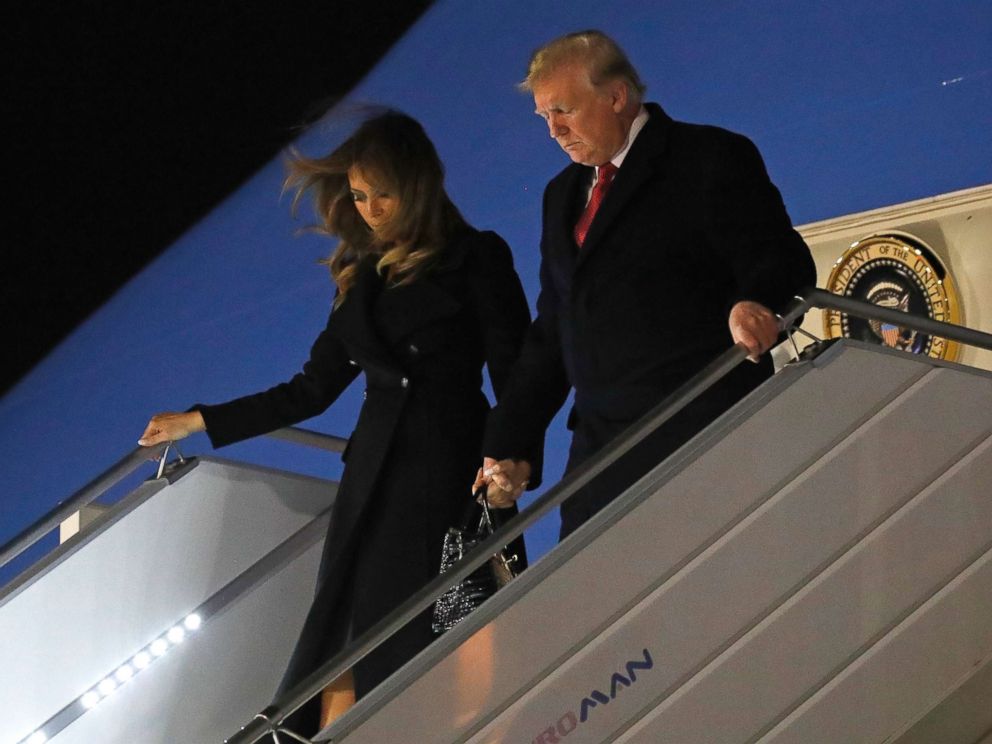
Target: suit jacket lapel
(353, 319)
(568, 203)
(643, 161)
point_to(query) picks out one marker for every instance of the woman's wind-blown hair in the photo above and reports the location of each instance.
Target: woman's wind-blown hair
(392, 152)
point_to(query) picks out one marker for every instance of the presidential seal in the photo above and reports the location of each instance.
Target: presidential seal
(898, 272)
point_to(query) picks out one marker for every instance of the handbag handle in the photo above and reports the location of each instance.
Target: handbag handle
(477, 512)
(487, 517)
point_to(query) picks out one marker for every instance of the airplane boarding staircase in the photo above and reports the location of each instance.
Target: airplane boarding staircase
(814, 567)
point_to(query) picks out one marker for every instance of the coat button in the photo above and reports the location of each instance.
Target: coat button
(352, 362)
(365, 395)
(405, 382)
(413, 349)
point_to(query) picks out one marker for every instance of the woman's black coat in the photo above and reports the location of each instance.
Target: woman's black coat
(417, 444)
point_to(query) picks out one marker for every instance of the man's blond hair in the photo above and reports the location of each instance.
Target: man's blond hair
(603, 58)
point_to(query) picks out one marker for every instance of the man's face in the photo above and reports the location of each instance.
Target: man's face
(583, 119)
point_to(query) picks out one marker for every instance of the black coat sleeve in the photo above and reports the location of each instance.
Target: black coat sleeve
(536, 388)
(324, 376)
(748, 225)
(505, 317)
(502, 307)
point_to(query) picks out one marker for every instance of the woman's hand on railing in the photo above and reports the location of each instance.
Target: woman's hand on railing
(170, 426)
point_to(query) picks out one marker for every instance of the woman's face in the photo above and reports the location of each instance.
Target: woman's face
(377, 207)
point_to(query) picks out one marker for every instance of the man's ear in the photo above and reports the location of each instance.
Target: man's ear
(618, 94)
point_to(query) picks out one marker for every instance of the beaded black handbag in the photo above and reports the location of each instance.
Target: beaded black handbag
(455, 604)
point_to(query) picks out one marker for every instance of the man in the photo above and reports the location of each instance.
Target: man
(663, 243)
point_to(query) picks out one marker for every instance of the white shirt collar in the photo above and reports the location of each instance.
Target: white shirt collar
(635, 128)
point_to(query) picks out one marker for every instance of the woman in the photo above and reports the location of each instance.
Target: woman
(423, 301)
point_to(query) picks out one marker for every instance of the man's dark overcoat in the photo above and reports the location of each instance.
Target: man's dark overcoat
(416, 446)
(690, 226)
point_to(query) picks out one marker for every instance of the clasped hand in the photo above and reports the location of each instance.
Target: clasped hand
(506, 480)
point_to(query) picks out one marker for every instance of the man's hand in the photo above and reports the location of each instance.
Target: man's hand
(755, 326)
(506, 479)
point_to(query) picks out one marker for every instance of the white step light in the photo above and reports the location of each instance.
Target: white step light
(176, 635)
(125, 673)
(141, 660)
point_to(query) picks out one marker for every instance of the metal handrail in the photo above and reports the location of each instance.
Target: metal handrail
(269, 721)
(83, 497)
(310, 438)
(123, 468)
(827, 300)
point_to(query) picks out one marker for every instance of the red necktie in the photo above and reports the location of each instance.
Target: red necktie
(606, 173)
